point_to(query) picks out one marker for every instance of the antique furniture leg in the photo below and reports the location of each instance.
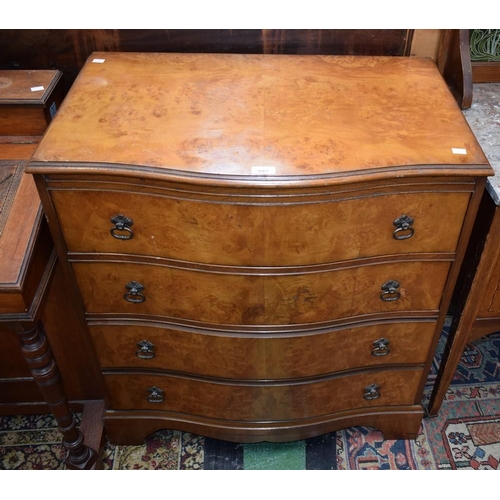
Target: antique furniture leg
(38, 355)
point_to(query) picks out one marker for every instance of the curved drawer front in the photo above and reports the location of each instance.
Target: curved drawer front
(262, 357)
(262, 234)
(219, 298)
(269, 402)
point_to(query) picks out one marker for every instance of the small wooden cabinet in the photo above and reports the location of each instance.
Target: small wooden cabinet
(38, 370)
(264, 246)
(29, 99)
(25, 243)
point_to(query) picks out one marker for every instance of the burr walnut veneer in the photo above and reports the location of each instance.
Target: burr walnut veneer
(264, 246)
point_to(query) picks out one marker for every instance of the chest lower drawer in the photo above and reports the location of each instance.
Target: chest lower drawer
(265, 356)
(258, 231)
(262, 401)
(274, 299)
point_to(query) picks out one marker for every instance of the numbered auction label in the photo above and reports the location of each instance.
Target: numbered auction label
(262, 170)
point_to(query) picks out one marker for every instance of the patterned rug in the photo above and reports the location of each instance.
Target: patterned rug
(465, 435)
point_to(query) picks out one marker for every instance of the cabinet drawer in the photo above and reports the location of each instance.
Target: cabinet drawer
(246, 299)
(271, 402)
(264, 356)
(265, 234)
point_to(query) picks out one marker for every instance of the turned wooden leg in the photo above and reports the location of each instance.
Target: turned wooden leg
(37, 352)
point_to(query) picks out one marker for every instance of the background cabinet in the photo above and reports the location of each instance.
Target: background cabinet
(39, 368)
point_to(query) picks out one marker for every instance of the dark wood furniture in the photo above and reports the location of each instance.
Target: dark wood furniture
(36, 326)
(68, 49)
(29, 99)
(454, 63)
(265, 246)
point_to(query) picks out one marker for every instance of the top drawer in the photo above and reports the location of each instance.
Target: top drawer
(260, 231)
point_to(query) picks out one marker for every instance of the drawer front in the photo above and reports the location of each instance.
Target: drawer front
(221, 298)
(262, 357)
(271, 402)
(259, 234)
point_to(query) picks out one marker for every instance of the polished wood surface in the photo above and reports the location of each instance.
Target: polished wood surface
(261, 402)
(395, 422)
(68, 49)
(263, 192)
(261, 355)
(28, 101)
(275, 298)
(225, 114)
(27, 87)
(262, 229)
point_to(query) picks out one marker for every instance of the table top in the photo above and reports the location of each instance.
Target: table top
(323, 118)
(18, 218)
(27, 87)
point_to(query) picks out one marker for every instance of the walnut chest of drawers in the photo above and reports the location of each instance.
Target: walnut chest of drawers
(264, 246)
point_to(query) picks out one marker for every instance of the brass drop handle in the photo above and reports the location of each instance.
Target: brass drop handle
(146, 350)
(134, 294)
(371, 392)
(381, 347)
(403, 229)
(121, 229)
(155, 395)
(390, 291)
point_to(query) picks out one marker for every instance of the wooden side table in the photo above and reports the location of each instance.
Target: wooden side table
(476, 302)
(35, 310)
